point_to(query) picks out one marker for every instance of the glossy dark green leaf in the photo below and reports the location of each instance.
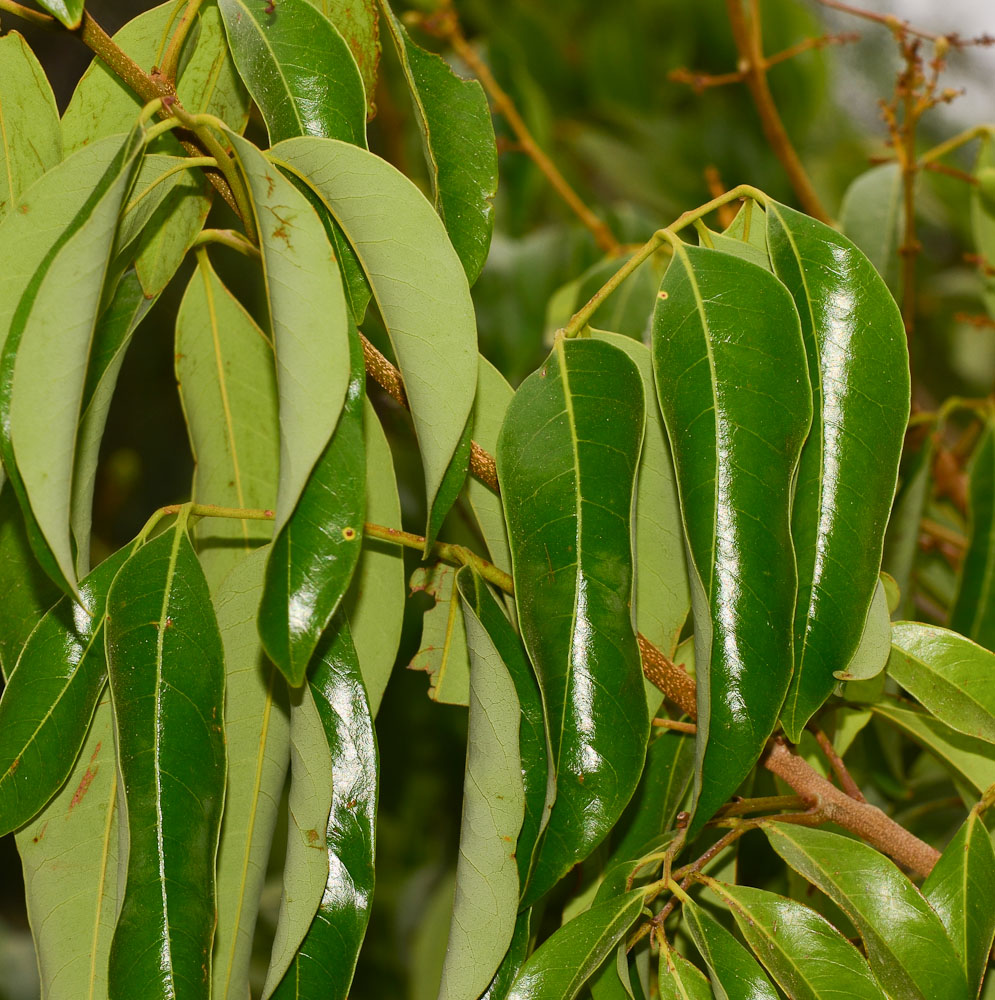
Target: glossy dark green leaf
(167, 675)
(662, 789)
(494, 634)
(808, 958)
(257, 737)
(459, 145)
(973, 611)
(28, 591)
(513, 961)
(298, 68)
(983, 223)
(967, 757)
(359, 23)
(55, 303)
(227, 381)
(310, 324)
(960, 889)
(872, 216)
(30, 134)
(111, 339)
(315, 552)
(374, 605)
(485, 905)
(46, 707)
(442, 652)
(734, 972)
(952, 676)
(907, 947)
(567, 482)
(418, 283)
(326, 959)
(732, 379)
(859, 369)
(663, 596)
(103, 105)
(680, 979)
(69, 12)
(567, 959)
(901, 540)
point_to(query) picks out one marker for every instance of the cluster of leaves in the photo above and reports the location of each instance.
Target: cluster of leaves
(729, 486)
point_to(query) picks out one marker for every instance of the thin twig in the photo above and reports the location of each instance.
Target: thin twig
(836, 763)
(171, 57)
(898, 26)
(444, 23)
(747, 39)
(676, 725)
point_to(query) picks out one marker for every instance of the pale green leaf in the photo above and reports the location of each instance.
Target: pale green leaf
(359, 24)
(485, 907)
(872, 216)
(30, 135)
(417, 280)
(874, 648)
(442, 653)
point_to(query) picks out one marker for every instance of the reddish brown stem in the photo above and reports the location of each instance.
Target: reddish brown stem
(836, 763)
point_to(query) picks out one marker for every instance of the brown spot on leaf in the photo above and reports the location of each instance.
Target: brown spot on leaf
(41, 833)
(14, 765)
(312, 837)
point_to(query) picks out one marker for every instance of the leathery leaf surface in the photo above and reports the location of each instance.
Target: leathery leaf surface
(732, 380)
(859, 369)
(315, 552)
(49, 700)
(567, 459)
(167, 674)
(324, 963)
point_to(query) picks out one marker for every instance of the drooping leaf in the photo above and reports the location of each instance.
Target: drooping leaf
(969, 758)
(309, 320)
(872, 216)
(567, 482)
(858, 366)
(731, 375)
(907, 947)
(326, 959)
(452, 484)
(808, 958)
(973, 611)
(485, 907)
(103, 105)
(50, 698)
(30, 134)
(952, 676)
(417, 280)
(359, 23)
(680, 979)
(493, 635)
(901, 540)
(663, 598)
(494, 394)
(257, 736)
(298, 68)
(734, 972)
(662, 788)
(43, 367)
(227, 382)
(567, 959)
(306, 865)
(111, 339)
(167, 677)
(374, 604)
(316, 551)
(69, 854)
(983, 224)
(458, 142)
(871, 654)
(960, 889)
(442, 653)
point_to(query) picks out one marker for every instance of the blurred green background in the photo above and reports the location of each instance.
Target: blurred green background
(591, 79)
